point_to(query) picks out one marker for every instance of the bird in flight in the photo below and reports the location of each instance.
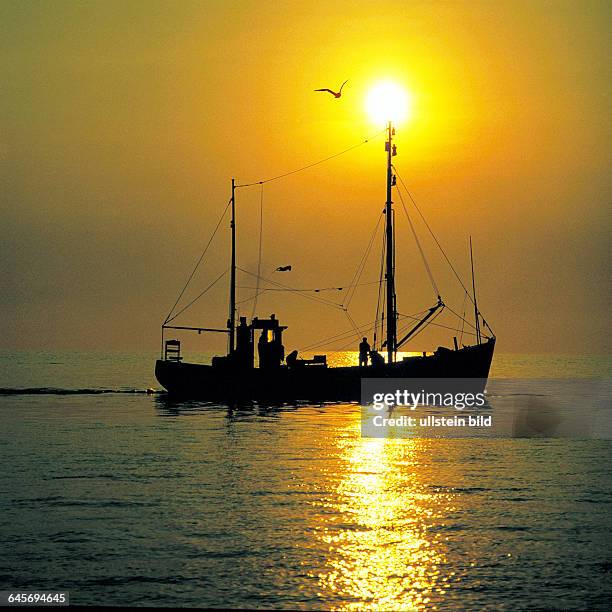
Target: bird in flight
(336, 94)
(283, 269)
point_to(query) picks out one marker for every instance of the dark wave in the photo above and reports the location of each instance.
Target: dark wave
(57, 391)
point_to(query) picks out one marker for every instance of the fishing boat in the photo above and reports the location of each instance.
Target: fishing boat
(256, 368)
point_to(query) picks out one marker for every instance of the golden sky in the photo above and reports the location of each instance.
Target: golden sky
(121, 124)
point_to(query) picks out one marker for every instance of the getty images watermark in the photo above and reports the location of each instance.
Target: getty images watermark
(405, 407)
(404, 397)
(497, 408)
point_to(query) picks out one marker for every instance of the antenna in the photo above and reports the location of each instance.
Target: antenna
(231, 322)
(476, 313)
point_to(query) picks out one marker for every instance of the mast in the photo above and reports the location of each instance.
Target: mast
(476, 317)
(390, 254)
(231, 322)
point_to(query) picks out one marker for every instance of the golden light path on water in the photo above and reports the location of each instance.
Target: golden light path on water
(351, 358)
(381, 555)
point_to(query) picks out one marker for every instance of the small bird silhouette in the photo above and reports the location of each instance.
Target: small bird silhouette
(336, 94)
(283, 269)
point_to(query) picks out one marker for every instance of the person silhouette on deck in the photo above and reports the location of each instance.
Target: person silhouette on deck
(364, 351)
(263, 349)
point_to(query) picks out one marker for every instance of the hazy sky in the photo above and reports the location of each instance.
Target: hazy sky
(122, 122)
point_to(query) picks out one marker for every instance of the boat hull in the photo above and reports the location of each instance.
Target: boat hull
(284, 384)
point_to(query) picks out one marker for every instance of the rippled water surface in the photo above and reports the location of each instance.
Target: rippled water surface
(126, 498)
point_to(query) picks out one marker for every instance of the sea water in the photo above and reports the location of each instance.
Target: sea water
(121, 497)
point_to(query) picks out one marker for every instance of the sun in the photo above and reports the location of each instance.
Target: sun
(387, 101)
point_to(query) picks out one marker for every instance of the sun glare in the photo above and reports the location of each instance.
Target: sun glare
(387, 101)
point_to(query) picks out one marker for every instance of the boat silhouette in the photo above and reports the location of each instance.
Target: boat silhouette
(255, 367)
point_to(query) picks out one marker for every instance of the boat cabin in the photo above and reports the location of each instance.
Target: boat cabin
(270, 348)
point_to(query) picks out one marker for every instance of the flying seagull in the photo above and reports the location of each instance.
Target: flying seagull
(334, 93)
(283, 269)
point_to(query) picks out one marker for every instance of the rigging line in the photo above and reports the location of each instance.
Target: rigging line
(309, 297)
(431, 322)
(441, 325)
(427, 323)
(253, 297)
(339, 337)
(259, 257)
(287, 288)
(380, 297)
(341, 348)
(488, 326)
(418, 243)
(345, 334)
(448, 261)
(318, 290)
(457, 315)
(361, 267)
(365, 326)
(462, 318)
(352, 322)
(358, 285)
(198, 297)
(417, 316)
(197, 264)
(336, 338)
(362, 263)
(321, 161)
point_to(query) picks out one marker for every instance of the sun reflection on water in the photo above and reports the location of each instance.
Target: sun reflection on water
(351, 358)
(381, 555)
